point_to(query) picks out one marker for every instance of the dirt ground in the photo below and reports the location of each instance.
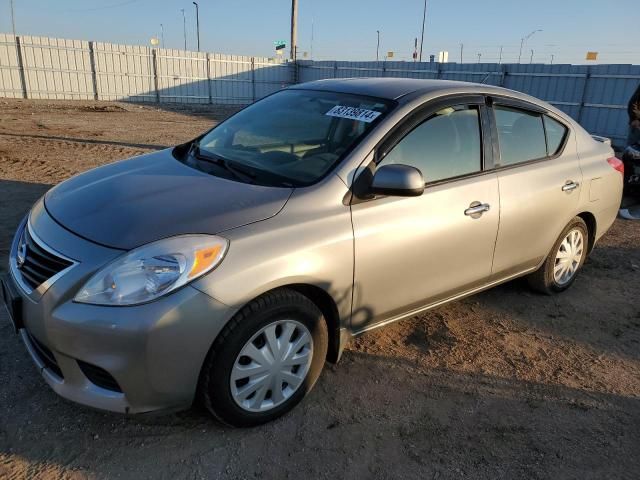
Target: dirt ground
(505, 384)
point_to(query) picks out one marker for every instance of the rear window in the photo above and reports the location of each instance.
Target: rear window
(555, 134)
(521, 135)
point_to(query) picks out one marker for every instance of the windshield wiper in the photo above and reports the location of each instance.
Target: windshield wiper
(229, 166)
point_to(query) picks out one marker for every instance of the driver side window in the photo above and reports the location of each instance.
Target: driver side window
(446, 145)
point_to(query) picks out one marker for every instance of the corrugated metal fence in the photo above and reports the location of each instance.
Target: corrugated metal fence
(41, 67)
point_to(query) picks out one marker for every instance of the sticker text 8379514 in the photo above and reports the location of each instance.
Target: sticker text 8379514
(353, 113)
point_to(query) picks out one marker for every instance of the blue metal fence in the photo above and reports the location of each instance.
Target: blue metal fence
(594, 95)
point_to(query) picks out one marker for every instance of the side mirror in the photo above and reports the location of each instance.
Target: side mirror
(397, 180)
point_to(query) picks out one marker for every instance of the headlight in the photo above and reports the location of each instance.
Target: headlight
(148, 272)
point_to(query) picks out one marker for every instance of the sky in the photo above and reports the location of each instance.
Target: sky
(346, 29)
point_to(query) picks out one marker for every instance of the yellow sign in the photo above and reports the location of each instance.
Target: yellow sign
(155, 41)
(389, 54)
(592, 55)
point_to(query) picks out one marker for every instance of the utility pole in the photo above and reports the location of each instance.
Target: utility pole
(552, 55)
(294, 29)
(531, 59)
(524, 39)
(378, 46)
(479, 55)
(197, 24)
(13, 19)
(162, 35)
(424, 17)
(461, 49)
(184, 28)
(500, 57)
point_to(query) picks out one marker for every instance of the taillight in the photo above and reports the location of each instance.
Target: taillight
(617, 164)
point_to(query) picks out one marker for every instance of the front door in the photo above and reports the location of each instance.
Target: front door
(415, 251)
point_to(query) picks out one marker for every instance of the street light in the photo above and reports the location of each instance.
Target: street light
(184, 28)
(378, 46)
(531, 60)
(424, 16)
(524, 39)
(162, 35)
(197, 24)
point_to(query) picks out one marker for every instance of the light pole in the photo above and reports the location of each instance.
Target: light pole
(13, 20)
(294, 29)
(162, 35)
(524, 39)
(378, 46)
(311, 53)
(424, 17)
(184, 28)
(531, 59)
(197, 24)
(479, 55)
(461, 49)
(552, 55)
(500, 57)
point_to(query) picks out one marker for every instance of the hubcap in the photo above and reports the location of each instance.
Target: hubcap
(271, 366)
(568, 257)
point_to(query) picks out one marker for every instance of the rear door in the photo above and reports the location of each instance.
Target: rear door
(540, 181)
(414, 251)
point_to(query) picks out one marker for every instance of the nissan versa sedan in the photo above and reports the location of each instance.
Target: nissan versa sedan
(230, 268)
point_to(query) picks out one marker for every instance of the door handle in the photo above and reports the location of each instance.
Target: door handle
(570, 185)
(476, 209)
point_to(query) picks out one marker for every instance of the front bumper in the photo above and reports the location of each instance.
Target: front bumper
(153, 352)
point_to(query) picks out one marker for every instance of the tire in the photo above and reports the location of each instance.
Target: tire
(284, 309)
(544, 280)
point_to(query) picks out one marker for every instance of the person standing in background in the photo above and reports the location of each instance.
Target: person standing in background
(633, 109)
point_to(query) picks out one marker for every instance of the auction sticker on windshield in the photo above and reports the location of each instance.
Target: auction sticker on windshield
(353, 113)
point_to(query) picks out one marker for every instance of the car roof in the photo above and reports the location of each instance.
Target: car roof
(387, 88)
(407, 90)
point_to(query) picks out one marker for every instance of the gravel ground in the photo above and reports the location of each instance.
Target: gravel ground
(504, 384)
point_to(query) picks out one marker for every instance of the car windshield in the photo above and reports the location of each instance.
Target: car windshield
(293, 137)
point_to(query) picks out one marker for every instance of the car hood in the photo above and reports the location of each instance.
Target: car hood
(133, 202)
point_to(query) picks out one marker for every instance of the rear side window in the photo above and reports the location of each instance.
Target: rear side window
(520, 134)
(555, 134)
(446, 145)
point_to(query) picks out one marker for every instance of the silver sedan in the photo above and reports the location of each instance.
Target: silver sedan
(230, 268)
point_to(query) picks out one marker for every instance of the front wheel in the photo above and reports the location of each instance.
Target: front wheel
(566, 258)
(265, 360)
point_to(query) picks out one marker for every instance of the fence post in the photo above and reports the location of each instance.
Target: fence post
(503, 68)
(23, 81)
(253, 79)
(335, 69)
(583, 95)
(94, 78)
(209, 92)
(155, 73)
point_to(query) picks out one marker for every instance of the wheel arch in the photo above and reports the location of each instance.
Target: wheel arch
(327, 305)
(590, 219)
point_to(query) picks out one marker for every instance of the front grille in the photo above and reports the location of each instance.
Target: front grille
(45, 355)
(100, 377)
(38, 264)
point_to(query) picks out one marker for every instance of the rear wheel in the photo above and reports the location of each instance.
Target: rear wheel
(566, 258)
(266, 359)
